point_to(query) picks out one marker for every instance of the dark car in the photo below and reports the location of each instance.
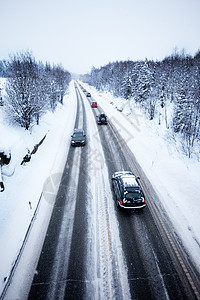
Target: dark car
(88, 95)
(78, 138)
(102, 119)
(128, 190)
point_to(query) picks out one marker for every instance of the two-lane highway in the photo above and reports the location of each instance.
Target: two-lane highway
(94, 251)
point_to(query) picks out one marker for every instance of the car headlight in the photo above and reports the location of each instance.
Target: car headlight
(82, 141)
(73, 142)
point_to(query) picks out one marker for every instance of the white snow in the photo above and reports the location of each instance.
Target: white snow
(175, 177)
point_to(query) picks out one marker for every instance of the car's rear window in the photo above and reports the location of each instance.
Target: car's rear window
(135, 195)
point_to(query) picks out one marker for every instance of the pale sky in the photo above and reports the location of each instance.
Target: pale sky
(80, 34)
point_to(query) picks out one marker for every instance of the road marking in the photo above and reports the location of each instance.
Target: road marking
(128, 152)
(177, 253)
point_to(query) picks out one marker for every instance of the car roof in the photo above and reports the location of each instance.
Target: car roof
(129, 181)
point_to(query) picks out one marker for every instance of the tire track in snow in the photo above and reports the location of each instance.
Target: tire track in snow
(54, 287)
(62, 254)
(57, 283)
(108, 272)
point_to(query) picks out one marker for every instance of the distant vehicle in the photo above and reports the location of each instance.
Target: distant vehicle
(102, 119)
(84, 90)
(128, 191)
(94, 104)
(88, 95)
(78, 138)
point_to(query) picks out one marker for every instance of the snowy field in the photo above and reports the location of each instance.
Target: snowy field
(175, 177)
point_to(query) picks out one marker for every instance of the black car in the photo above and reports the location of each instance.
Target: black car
(78, 138)
(128, 190)
(88, 95)
(102, 119)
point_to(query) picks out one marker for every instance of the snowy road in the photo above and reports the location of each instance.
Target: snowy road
(94, 251)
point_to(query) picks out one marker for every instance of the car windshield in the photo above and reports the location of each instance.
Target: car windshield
(133, 195)
(78, 134)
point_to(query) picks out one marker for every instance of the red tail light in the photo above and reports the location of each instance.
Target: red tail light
(121, 202)
(145, 201)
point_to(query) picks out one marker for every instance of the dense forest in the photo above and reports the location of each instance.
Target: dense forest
(156, 85)
(31, 88)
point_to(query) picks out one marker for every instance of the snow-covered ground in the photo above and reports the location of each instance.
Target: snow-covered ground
(175, 177)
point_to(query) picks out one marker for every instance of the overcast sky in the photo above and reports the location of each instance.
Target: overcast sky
(80, 34)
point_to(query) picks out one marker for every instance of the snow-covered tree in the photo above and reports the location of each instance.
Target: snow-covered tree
(154, 86)
(32, 88)
(3, 68)
(61, 79)
(126, 80)
(144, 82)
(22, 101)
